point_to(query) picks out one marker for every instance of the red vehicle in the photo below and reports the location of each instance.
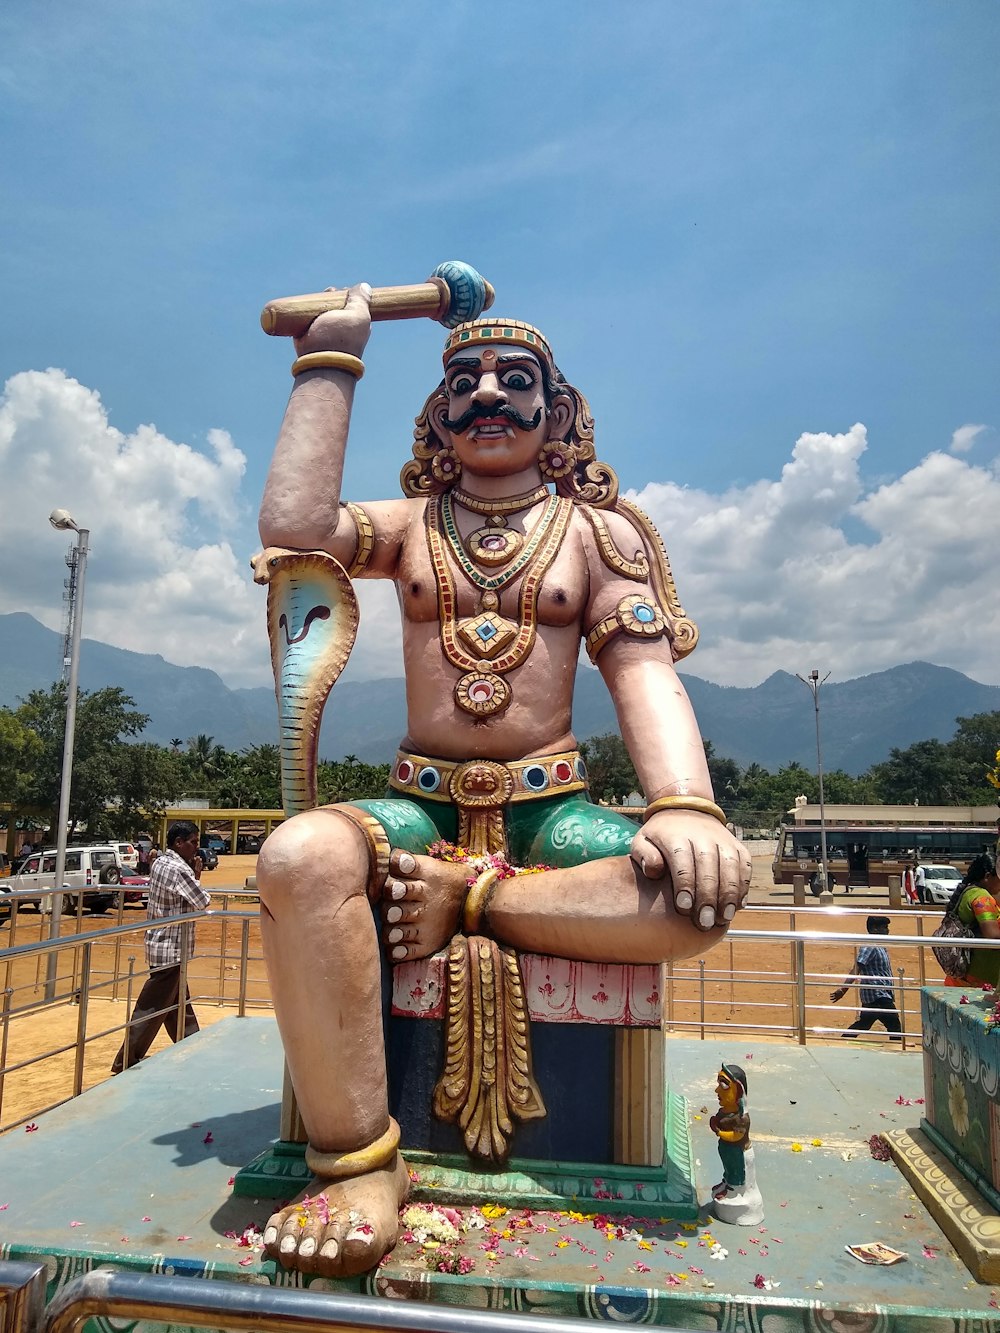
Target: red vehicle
(135, 889)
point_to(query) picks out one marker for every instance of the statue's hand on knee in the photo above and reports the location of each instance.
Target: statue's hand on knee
(709, 869)
(421, 905)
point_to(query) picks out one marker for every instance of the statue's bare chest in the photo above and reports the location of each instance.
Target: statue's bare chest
(561, 592)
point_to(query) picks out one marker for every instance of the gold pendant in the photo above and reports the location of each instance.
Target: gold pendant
(495, 544)
(482, 693)
(487, 633)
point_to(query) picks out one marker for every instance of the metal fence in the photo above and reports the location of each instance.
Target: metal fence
(770, 980)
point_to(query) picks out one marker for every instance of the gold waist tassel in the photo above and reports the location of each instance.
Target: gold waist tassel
(487, 1081)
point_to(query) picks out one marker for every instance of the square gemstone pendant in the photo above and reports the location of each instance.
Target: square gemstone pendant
(487, 634)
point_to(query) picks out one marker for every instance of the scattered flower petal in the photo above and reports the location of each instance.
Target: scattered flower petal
(796, 1147)
(76, 1224)
(147, 1219)
(183, 1237)
(208, 1137)
(30, 1129)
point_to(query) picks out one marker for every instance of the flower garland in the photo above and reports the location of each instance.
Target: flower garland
(450, 851)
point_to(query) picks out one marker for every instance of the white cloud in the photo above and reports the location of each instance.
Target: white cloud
(812, 569)
(171, 536)
(774, 579)
(965, 437)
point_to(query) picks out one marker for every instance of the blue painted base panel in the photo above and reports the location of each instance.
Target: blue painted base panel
(137, 1172)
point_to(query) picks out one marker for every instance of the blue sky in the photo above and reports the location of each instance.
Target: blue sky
(742, 226)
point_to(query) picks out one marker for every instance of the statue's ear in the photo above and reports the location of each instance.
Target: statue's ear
(561, 413)
(437, 412)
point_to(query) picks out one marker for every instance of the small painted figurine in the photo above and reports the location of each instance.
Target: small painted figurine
(736, 1198)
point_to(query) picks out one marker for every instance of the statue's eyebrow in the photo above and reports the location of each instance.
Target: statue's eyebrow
(472, 362)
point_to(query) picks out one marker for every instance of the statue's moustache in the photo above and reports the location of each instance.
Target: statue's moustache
(505, 412)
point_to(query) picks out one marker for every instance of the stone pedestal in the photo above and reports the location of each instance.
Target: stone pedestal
(953, 1160)
(612, 1136)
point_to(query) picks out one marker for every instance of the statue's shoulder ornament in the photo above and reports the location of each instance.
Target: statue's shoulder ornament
(657, 610)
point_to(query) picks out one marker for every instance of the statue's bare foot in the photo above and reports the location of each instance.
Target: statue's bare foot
(422, 904)
(342, 1228)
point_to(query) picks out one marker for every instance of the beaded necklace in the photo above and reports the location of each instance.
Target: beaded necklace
(487, 644)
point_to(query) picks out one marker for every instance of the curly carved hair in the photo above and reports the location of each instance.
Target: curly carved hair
(589, 479)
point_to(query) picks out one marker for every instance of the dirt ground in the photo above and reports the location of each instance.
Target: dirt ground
(746, 985)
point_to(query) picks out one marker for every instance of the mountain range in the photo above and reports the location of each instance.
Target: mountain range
(772, 723)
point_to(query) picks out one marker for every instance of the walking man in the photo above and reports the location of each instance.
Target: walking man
(173, 888)
(873, 973)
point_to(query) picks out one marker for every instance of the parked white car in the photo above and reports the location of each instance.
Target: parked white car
(940, 882)
(128, 854)
(96, 870)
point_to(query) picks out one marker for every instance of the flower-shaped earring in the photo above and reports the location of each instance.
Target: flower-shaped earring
(446, 466)
(556, 459)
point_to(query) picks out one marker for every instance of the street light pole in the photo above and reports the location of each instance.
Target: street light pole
(63, 521)
(813, 684)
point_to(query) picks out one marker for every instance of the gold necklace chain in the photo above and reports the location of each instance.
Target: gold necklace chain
(445, 519)
(487, 644)
(509, 505)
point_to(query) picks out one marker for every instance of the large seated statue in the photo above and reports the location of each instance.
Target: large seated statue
(510, 547)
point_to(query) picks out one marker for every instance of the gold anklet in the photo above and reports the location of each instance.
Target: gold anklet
(338, 1165)
(353, 365)
(478, 899)
(696, 803)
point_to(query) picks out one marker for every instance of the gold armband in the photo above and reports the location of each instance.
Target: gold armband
(698, 804)
(477, 900)
(366, 540)
(353, 365)
(338, 1165)
(636, 615)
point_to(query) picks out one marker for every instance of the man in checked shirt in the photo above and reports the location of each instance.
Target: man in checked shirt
(173, 888)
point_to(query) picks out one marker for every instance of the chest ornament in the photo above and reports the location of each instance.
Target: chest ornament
(487, 645)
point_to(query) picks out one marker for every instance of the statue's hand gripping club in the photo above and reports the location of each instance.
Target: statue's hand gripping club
(452, 294)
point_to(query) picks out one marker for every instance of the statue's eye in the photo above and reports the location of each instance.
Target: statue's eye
(462, 384)
(518, 379)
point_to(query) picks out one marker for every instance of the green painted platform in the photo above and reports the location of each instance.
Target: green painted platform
(136, 1173)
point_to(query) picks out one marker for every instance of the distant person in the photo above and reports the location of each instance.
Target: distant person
(173, 888)
(920, 883)
(975, 903)
(873, 972)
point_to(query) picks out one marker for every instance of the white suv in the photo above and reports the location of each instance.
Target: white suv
(97, 870)
(128, 855)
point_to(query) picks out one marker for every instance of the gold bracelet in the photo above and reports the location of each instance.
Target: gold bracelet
(353, 365)
(477, 900)
(337, 1165)
(696, 803)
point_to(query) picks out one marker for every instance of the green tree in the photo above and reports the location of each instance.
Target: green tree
(149, 777)
(928, 772)
(104, 719)
(350, 780)
(20, 748)
(612, 773)
(975, 744)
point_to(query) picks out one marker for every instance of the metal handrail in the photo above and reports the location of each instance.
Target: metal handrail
(193, 1301)
(22, 1297)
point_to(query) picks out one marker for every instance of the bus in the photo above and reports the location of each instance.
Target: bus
(865, 855)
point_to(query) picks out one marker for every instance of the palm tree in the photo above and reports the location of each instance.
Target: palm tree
(176, 744)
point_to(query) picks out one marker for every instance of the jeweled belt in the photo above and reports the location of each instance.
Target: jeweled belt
(481, 788)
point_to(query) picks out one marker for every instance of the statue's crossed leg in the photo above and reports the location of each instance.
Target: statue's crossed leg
(318, 876)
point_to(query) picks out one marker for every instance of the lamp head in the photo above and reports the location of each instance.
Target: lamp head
(63, 520)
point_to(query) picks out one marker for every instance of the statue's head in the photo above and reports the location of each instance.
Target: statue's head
(503, 407)
(731, 1087)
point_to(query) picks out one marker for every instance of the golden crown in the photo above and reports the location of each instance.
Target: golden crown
(479, 331)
